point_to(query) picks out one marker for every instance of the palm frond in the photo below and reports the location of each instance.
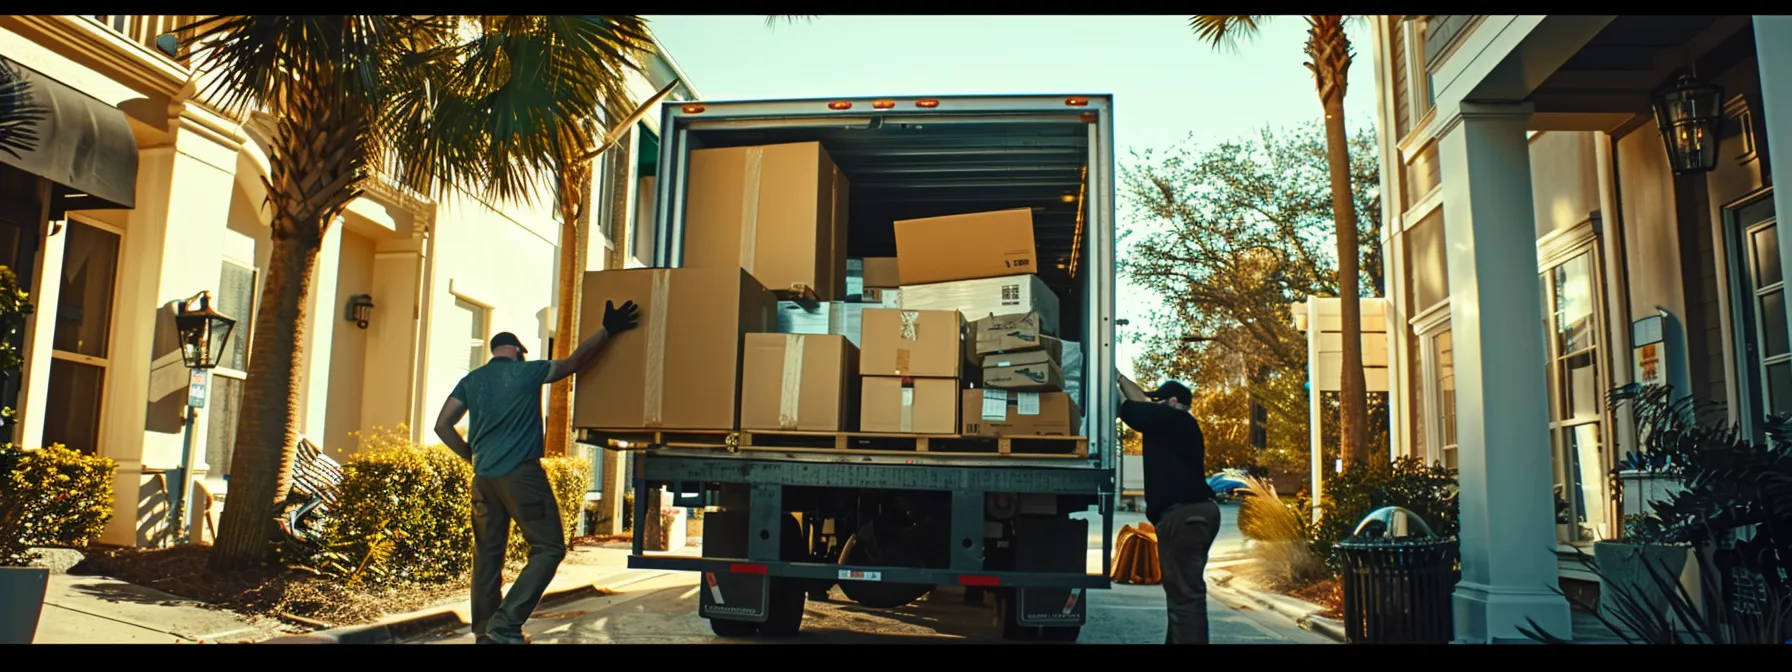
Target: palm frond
(19, 113)
(1226, 31)
(772, 21)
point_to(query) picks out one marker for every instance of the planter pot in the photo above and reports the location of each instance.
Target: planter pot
(21, 602)
(1625, 572)
(1564, 532)
(1643, 489)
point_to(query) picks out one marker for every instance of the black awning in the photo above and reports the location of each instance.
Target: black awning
(83, 145)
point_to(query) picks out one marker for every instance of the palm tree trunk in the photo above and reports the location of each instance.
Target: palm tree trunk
(261, 463)
(574, 239)
(1329, 49)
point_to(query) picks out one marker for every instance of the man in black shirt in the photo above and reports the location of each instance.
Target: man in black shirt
(1178, 501)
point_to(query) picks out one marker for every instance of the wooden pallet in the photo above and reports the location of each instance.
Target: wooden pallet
(932, 444)
(643, 439)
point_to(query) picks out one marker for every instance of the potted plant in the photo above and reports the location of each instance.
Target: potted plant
(22, 586)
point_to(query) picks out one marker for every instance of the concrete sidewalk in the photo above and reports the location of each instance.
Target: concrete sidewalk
(99, 610)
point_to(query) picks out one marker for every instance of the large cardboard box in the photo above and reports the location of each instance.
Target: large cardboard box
(1033, 371)
(882, 272)
(909, 406)
(912, 343)
(837, 236)
(990, 412)
(680, 369)
(983, 297)
(965, 247)
(999, 334)
(770, 210)
(799, 382)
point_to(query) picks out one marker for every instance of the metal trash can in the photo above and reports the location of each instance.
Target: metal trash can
(1398, 580)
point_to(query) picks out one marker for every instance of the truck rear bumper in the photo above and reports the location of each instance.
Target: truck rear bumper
(831, 572)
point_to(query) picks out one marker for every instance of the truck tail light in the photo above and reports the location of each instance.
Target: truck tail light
(840, 105)
(883, 104)
(693, 109)
(1077, 102)
(927, 103)
(982, 581)
(742, 568)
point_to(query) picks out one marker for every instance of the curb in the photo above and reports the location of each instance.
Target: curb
(1306, 617)
(403, 629)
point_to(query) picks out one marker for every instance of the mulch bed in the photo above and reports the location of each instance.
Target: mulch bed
(290, 596)
(1328, 593)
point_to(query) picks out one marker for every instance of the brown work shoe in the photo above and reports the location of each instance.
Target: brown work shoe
(502, 639)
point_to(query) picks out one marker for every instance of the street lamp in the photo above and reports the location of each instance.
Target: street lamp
(204, 333)
(1687, 114)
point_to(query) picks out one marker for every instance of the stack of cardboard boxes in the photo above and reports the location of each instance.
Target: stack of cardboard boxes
(954, 335)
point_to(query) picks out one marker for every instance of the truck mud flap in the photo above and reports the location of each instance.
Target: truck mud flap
(1048, 607)
(734, 597)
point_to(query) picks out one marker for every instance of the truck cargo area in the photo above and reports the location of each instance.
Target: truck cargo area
(785, 525)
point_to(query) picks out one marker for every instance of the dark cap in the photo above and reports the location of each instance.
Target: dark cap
(1173, 390)
(507, 338)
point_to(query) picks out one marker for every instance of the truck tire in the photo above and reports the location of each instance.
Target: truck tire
(784, 608)
(1007, 610)
(863, 549)
(1066, 635)
(733, 629)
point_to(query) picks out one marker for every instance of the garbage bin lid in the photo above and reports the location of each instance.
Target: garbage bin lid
(1392, 522)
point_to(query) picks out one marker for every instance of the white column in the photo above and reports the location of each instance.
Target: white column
(1773, 51)
(1496, 312)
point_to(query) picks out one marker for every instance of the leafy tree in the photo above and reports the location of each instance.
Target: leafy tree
(18, 113)
(1329, 55)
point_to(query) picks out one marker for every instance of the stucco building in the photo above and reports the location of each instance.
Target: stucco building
(1535, 214)
(141, 195)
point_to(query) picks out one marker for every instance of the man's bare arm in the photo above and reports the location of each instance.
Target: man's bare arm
(452, 410)
(580, 357)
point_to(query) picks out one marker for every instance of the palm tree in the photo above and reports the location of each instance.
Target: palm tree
(19, 114)
(437, 103)
(1328, 57)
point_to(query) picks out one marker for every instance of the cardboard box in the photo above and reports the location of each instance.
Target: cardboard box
(799, 382)
(983, 297)
(837, 236)
(990, 412)
(1031, 371)
(965, 247)
(999, 334)
(881, 273)
(911, 343)
(680, 369)
(770, 210)
(914, 406)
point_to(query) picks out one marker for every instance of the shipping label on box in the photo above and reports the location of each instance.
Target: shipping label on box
(980, 298)
(909, 406)
(998, 334)
(798, 382)
(965, 247)
(915, 343)
(1033, 371)
(992, 412)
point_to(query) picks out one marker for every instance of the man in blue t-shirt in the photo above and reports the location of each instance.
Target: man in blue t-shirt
(1178, 501)
(504, 442)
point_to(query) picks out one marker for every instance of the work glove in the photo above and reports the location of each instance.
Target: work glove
(618, 320)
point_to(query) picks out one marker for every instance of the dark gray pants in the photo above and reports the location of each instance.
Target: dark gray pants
(524, 496)
(1183, 540)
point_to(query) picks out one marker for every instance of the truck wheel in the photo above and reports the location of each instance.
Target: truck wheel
(726, 628)
(863, 549)
(784, 608)
(1012, 630)
(1065, 635)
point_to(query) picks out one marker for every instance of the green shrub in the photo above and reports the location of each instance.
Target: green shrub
(52, 497)
(403, 512)
(1427, 490)
(570, 477)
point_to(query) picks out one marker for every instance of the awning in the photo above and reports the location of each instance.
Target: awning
(84, 146)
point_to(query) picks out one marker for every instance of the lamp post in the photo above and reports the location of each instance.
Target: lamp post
(1687, 114)
(203, 334)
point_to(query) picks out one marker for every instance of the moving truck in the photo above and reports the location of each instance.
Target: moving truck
(785, 525)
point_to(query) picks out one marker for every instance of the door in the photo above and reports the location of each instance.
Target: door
(1765, 356)
(81, 352)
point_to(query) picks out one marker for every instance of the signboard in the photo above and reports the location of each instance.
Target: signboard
(196, 383)
(1648, 355)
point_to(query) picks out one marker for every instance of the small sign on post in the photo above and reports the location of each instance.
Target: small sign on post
(196, 384)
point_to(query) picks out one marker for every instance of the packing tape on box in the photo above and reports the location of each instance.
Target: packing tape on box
(749, 207)
(791, 393)
(909, 321)
(908, 410)
(656, 347)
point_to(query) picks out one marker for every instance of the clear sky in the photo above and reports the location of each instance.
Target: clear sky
(1167, 85)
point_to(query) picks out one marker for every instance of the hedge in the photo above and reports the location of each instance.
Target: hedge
(52, 496)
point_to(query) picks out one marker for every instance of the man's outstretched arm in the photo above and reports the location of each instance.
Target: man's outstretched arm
(616, 320)
(452, 410)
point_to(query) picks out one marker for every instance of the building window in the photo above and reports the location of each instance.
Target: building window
(1574, 311)
(1762, 310)
(1418, 77)
(477, 320)
(81, 350)
(1443, 380)
(223, 409)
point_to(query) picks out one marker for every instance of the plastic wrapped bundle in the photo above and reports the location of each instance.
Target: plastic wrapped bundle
(977, 299)
(831, 317)
(1073, 379)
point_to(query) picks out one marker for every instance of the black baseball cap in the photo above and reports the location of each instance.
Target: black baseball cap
(1173, 390)
(507, 338)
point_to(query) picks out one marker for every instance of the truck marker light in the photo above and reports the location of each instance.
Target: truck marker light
(694, 109)
(927, 103)
(883, 104)
(1077, 102)
(740, 568)
(840, 105)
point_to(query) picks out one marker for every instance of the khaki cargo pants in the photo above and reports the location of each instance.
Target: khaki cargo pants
(1184, 538)
(524, 496)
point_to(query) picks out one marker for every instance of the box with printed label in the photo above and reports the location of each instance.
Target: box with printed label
(999, 334)
(977, 299)
(1033, 371)
(798, 382)
(912, 343)
(774, 210)
(991, 412)
(680, 369)
(908, 406)
(965, 247)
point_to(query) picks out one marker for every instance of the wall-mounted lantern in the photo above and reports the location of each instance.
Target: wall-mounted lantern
(1688, 113)
(203, 332)
(360, 307)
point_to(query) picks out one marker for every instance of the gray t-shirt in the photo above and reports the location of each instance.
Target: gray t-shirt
(503, 399)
